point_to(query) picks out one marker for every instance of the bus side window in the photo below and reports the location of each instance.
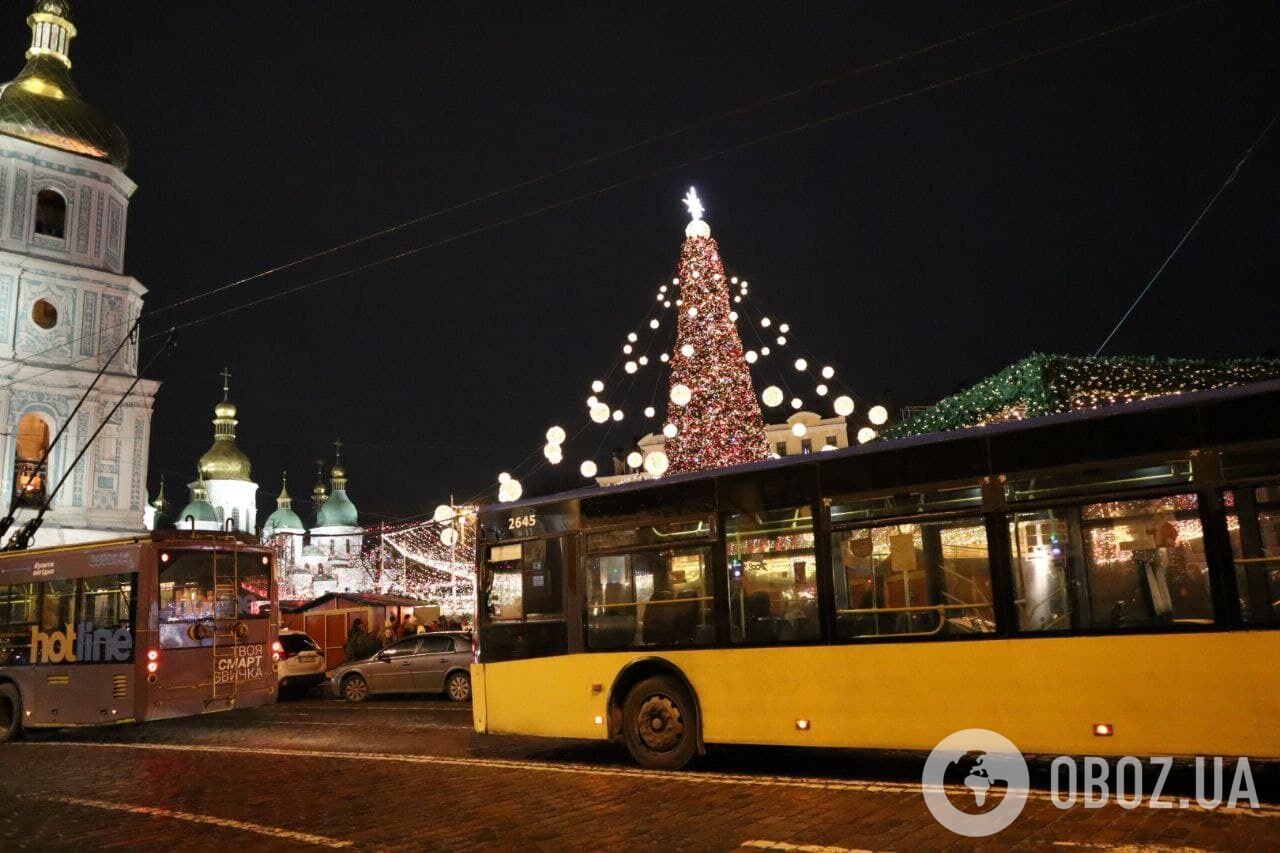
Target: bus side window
(1146, 562)
(18, 604)
(773, 583)
(919, 579)
(1253, 523)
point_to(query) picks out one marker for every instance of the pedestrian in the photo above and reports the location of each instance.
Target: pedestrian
(422, 629)
(407, 628)
(388, 636)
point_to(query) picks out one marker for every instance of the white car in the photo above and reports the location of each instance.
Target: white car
(301, 666)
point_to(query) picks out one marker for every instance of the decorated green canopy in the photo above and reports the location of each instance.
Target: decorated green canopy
(1042, 385)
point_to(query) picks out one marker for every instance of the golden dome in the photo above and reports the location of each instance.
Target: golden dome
(224, 461)
(225, 409)
(42, 104)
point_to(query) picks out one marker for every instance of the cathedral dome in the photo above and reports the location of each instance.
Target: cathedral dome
(42, 104)
(224, 461)
(200, 510)
(338, 511)
(284, 519)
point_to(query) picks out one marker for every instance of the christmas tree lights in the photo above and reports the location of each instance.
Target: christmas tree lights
(713, 404)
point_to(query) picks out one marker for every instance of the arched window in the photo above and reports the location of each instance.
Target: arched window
(29, 475)
(51, 214)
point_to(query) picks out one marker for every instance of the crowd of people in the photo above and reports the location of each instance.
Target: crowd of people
(361, 643)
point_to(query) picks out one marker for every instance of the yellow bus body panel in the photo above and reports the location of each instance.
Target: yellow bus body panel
(1164, 694)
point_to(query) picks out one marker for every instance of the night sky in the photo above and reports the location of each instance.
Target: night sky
(918, 245)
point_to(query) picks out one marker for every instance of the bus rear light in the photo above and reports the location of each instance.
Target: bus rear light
(164, 557)
(277, 651)
(153, 667)
(1103, 730)
(802, 725)
(265, 560)
(153, 655)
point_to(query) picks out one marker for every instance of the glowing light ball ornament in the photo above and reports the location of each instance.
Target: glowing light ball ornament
(802, 365)
(687, 350)
(444, 512)
(587, 469)
(752, 356)
(821, 390)
(828, 372)
(843, 405)
(878, 415)
(656, 463)
(553, 453)
(866, 434)
(670, 430)
(634, 459)
(617, 414)
(799, 430)
(653, 324)
(796, 403)
(600, 413)
(597, 386)
(556, 435)
(504, 477)
(630, 367)
(772, 396)
(649, 411)
(448, 537)
(681, 394)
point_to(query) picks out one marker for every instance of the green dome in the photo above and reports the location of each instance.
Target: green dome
(283, 518)
(338, 511)
(42, 104)
(199, 509)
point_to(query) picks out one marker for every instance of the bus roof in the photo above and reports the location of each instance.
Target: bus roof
(1193, 400)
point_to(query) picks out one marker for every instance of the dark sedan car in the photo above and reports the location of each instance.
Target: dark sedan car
(425, 663)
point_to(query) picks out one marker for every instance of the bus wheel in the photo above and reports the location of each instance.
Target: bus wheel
(10, 713)
(458, 687)
(355, 689)
(660, 724)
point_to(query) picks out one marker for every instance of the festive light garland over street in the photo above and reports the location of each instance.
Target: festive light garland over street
(1042, 385)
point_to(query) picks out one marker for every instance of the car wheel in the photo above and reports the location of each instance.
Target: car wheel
(458, 687)
(660, 724)
(10, 713)
(355, 688)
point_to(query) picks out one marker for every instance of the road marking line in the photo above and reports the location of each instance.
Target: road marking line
(226, 823)
(801, 848)
(410, 727)
(1129, 848)
(687, 776)
(360, 706)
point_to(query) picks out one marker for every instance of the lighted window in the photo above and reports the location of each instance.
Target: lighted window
(922, 579)
(44, 314)
(30, 472)
(1045, 557)
(658, 597)
(1253, 523)
(773, 585)
(1146, 563)
(51, 214)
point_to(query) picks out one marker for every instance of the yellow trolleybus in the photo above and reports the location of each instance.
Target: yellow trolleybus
(167, 625)
(1103, 582)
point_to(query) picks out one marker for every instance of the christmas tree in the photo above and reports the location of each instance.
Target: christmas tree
(713, 404)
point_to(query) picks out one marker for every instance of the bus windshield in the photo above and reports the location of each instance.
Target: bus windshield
(201, 586)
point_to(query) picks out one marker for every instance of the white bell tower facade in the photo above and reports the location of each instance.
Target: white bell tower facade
(65, 301)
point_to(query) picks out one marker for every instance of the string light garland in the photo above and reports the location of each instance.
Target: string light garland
(1041, 385)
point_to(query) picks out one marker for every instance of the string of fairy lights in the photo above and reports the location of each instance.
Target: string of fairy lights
(650, 346)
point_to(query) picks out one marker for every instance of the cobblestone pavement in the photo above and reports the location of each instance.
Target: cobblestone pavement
(410, 774)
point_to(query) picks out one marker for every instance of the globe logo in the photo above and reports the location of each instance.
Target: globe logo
(978, 760)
